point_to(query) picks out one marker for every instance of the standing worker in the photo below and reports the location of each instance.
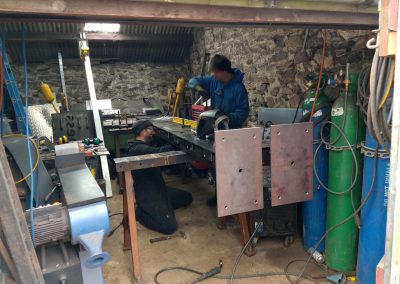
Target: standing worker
(155, 201)
(226, 90)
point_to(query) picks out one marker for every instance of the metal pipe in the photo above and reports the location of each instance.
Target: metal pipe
(391, 264)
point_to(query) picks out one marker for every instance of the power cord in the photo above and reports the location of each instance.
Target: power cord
(32, 193)
(232, 276)
(244, 249)
(225, 277)
(36, 150)
(116, 228)
(320, 266)
(302, 272)
(115, 214)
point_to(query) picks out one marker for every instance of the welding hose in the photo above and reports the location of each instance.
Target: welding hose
(324, 141)
(32, 194)
(362, 204)
(378, 115)
(363, 91)
(375, 88)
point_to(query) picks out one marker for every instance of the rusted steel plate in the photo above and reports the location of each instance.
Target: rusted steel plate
(291, 163)
(150, 161)
(239, 170)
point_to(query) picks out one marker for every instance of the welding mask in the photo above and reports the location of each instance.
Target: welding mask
(211, 120)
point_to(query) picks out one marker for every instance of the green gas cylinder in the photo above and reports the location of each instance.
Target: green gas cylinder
(322, 100)
(341, 242)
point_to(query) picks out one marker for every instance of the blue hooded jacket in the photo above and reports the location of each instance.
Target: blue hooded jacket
(231, 98)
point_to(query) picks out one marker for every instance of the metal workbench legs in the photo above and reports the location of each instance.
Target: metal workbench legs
(243, 219)
(245, 231)
(120, 175)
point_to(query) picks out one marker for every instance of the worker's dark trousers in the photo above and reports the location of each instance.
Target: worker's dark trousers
(155, 210)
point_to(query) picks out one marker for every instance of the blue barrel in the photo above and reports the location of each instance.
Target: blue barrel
(314, 211)
(371, 247)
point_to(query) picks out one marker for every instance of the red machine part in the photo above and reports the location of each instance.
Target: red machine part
(196, 111)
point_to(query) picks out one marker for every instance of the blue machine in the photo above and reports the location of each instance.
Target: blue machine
(371, 247)
(314, 211)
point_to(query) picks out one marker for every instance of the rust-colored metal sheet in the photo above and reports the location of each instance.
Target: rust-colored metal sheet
(291, 163)
(238, 160)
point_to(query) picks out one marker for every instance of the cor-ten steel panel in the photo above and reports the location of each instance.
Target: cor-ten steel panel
(291, 163)
(239, 170)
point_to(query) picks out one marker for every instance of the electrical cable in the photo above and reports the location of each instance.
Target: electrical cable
(115, 214)
(354, 181)
(321, 266)
(243, 250)
(37, 155)
(379, 110)
(224, 277)
(37, 184)
(320, 75)
(363, 202)
(3, 54)
(388, 87)
(233, 276)
(298, 106)
(113, 230)
(32, 193)
(363, 91)
(1, 92)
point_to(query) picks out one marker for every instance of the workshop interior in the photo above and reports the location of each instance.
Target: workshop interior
(199, 141)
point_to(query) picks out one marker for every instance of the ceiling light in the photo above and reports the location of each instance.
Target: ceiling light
(102, 27)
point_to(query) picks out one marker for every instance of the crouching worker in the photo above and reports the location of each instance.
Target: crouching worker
(155, 201)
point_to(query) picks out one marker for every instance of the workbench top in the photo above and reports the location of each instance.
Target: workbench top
(185, 133)
(185, 139)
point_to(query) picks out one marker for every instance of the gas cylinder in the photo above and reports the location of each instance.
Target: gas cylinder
(373, 215)
(314, 211)
(341, 242)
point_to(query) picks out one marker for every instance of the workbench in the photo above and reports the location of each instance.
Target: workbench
(126, 165)
(185, 139)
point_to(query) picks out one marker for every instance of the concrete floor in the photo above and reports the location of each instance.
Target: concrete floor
(202, 249)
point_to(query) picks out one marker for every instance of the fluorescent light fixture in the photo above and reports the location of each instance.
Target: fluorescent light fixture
(102, 27)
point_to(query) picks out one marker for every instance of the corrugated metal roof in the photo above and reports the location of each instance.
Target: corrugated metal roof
(38, 51)
(43, 27)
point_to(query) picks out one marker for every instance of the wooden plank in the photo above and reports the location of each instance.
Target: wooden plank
(383, 27)
(8, 260)
(118, 10)
(150, 161)
(130, 199)
(15, 228)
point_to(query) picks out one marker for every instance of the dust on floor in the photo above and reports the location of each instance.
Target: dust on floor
(202, 249)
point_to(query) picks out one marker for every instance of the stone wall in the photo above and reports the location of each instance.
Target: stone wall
(274, 61)
(112, 80)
